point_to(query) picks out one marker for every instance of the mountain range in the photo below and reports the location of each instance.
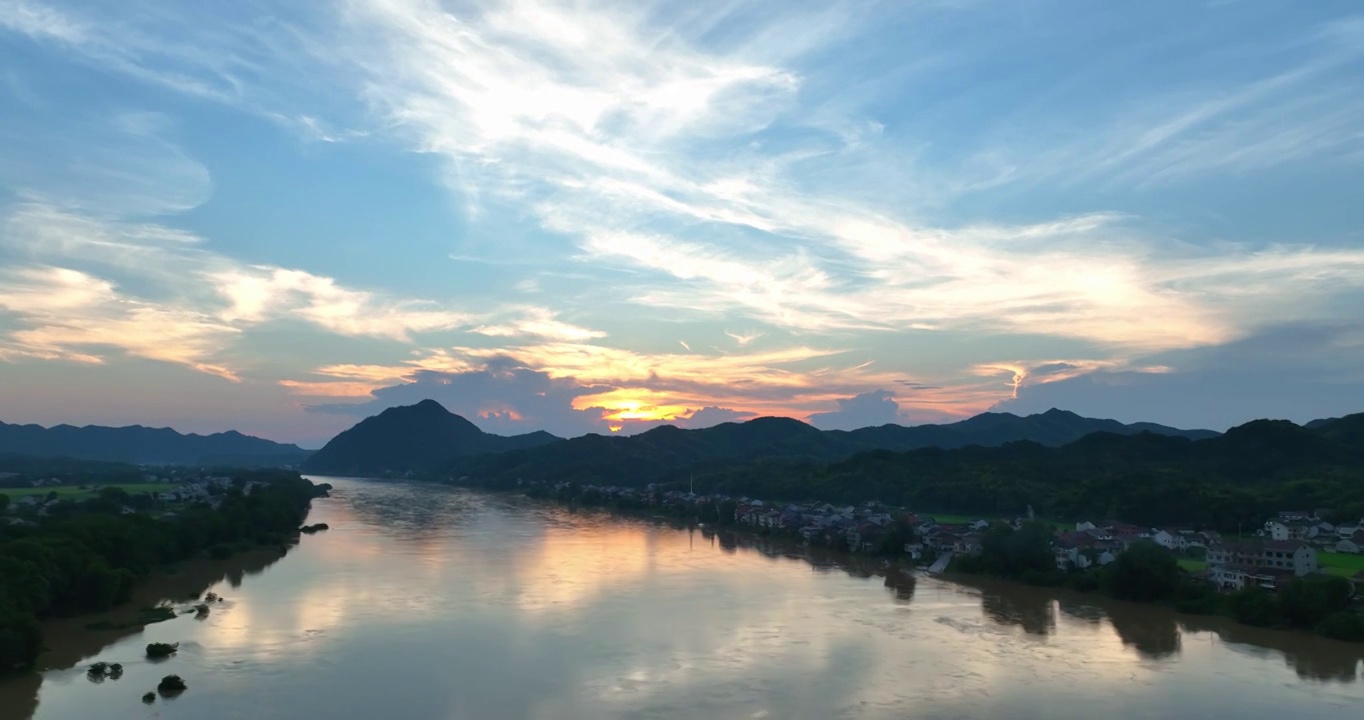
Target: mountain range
(428, 438)
(147, 446)
(665, 453)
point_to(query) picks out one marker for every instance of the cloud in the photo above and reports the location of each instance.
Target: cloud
(123, 163)
(744, 339)
(69, 315)
(1259, 106)
(601, 387)
(654, 155)
(257, 294)
(716, 165)
(869, 409)
(1297, 372)
(501, 397)
(539, 323)
(199, 283)
(506, 397)
(712, 415)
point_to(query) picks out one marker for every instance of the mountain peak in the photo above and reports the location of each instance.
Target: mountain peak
(429, 405)
(424, 436)
(426, 407)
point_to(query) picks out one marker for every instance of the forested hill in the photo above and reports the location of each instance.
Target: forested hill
(1229, 482)
(421, 437)
(148, 446)
(1226, 482)
(667, 453)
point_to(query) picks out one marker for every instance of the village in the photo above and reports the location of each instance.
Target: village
(1289, 545)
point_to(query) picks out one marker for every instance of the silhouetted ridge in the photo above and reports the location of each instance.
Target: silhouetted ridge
(668, 452)
(424, 436)
(144, 445)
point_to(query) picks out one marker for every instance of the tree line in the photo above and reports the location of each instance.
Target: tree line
(1229, 483)
(1149, 573)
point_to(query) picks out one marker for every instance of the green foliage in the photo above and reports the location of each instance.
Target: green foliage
(1254, 606)
(1020, 554)
(4, 502)
(1225, 483)
(1343, 625)
(1084, 581)
(1307, 603)
(719, 455)
(1145, 572)
(21, 639)
(170, 685)
(88, 559)
(159, 650)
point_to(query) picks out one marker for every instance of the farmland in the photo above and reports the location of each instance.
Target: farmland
(78, 492)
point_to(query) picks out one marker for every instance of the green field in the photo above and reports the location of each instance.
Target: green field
(1192, 565)
(75, 492)
(1341, 564)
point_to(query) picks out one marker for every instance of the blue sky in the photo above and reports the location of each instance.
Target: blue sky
(588, 216)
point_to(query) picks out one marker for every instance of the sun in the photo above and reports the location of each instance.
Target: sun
(631, 405)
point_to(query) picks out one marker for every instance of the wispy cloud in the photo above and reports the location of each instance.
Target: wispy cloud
(744, 338)
(588, 143)
(540, 323)
(1272, 104)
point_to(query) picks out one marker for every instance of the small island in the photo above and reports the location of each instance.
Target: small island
(171, 685)
(157, 651)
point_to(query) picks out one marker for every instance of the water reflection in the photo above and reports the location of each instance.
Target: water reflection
(1028, 608)
(69, 643)
(1311, 658)
(431, 602)
(1151, 631)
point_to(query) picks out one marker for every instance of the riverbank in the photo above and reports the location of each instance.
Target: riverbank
(67, 641)
(1155, 631)
(1144, 573)
(89, 558)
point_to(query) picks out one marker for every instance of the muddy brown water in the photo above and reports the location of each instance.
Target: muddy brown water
(433, 602)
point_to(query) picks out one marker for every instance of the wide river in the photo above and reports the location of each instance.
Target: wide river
(432, 602)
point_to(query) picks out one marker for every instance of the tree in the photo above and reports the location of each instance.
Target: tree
(1254, 606)
(21, 639)
(1307, 603)
(1145, 572)
(1343, 625)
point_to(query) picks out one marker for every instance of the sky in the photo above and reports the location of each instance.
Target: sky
(280, 217)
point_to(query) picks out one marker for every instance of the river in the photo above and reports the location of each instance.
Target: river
(425, 601)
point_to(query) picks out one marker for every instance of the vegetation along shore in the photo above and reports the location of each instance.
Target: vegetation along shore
(83, 550)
